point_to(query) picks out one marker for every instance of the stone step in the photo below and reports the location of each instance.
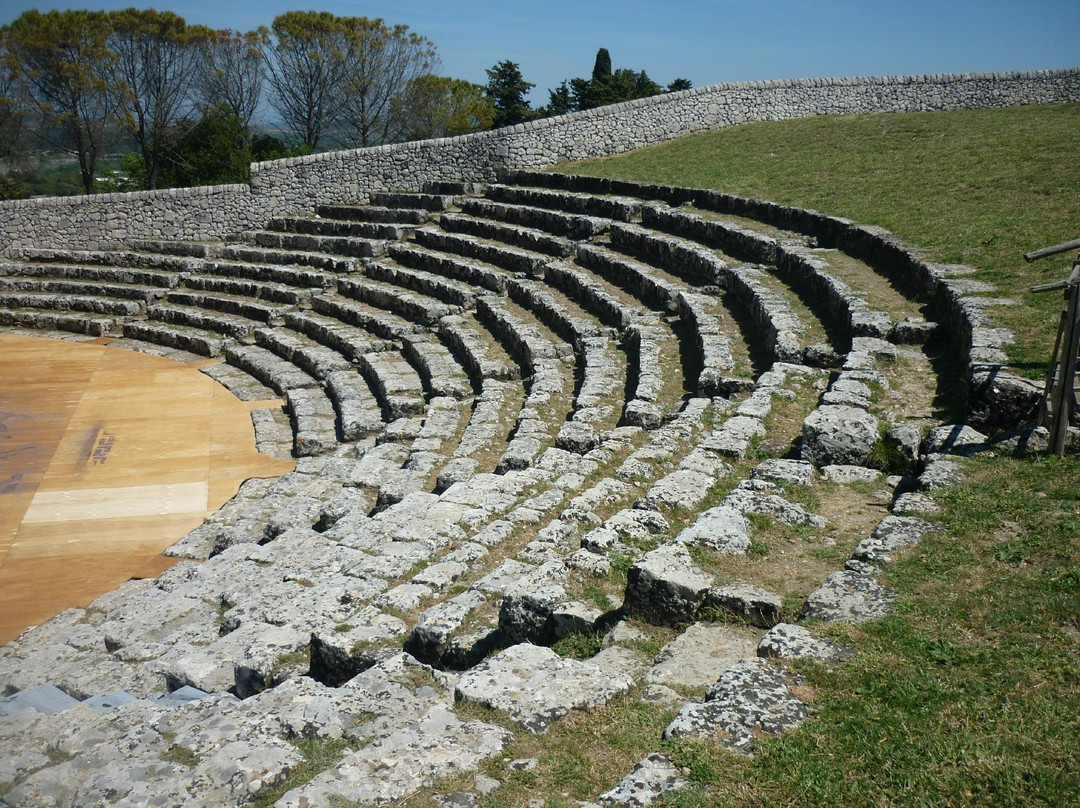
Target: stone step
(255, 290)
(184, 338)
(260, 311)
(373, 213)
(639, 280)
(57, 321)
(522, 339)
(568, 225)
(426, 283)
(270, 273)
(740, 243)
(432, 202)
(347, 340)
(299, 258)
(358, 410)
(375, 321)
(129, 259)
(165, 279)
(620, 209)
(395, 383)
(473, 346)
(452, 187)
(307, 354)
(554, 310)
(338, 227)
(278, 374)
(462, 269)
(511, 259)
(439, 370)
(239, 328)
(687, 260)
(334, 245)
(61, 302)
(185, 249)
(418, 308)
(314, 421)
(613, 308)
(527, 238)
(713, 347)
(80, 288)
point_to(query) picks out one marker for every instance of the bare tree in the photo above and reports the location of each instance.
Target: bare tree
(156, 58)
(62, 60)
(233, 72)
(382, 61)
(307, 73)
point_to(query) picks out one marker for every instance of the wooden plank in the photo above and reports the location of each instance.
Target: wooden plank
(106, 458)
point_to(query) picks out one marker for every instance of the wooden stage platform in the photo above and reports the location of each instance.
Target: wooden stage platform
(107, 457)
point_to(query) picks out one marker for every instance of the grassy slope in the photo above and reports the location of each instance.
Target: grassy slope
(969, 694)
(978, 187)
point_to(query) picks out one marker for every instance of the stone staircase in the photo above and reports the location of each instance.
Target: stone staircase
(549, 407)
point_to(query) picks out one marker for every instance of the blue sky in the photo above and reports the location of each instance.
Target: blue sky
(706, 41)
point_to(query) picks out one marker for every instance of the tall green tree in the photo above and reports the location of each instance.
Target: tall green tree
(604, 87)
(440, 106)
(506, 88)
(154, 72)
(307, 72)
(677, 85)
(560, 100)
(63, 60)
(382, 61)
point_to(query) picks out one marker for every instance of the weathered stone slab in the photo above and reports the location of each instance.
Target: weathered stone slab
(849, 597)
(750, 697)
(722, 529)
(697, 656)
(787, 641)
(536, 687)
(779, 470)
(891, 534)
(650, 781)
(681, 489)
(436, 746)
(839, 435)
(844, 474)
(751, 604)
(956, 439)
(665, 586)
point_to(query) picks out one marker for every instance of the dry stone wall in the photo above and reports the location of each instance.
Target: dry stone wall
(296, 185)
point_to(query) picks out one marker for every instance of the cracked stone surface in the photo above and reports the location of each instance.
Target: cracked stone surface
(848, 597)
(651, 780)
(752, 696)
(535, 687)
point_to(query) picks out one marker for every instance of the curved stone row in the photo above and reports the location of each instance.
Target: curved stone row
(492, 426)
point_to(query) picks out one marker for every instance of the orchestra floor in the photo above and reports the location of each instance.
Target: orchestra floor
(107, 457)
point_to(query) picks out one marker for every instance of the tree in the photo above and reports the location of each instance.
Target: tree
(560, 101)
(153, 76)
(62, 59)
(307, 73)
(506, 88)
(213, 151)
(605, 87)
(678, 85)
(233, 72)
(439, 106)
(381, 62)
(600, 90)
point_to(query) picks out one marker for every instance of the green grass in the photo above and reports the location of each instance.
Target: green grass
(978, 187)
(967, 695)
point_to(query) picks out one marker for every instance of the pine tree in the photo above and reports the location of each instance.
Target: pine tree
(506, 88)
